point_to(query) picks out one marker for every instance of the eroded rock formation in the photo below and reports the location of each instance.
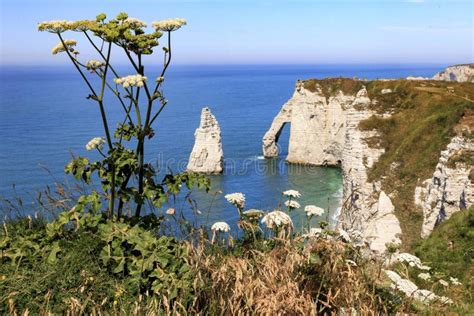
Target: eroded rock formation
(207, 155)
(450, 189)
(324, 131)
(459, 73)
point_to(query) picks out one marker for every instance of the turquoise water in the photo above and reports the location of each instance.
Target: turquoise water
(44, 116)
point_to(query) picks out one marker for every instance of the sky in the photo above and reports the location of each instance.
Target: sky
(263, 31)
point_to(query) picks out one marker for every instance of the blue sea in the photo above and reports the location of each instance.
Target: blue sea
(45, 117)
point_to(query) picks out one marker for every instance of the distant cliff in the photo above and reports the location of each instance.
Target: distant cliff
(387, 136)
(459, 73)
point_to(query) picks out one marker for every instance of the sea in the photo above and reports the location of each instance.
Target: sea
(45, 118)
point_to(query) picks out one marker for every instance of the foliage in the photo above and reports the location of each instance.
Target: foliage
(123, 173)
(450, 250)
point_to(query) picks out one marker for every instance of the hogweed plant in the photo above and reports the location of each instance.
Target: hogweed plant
(123, 173)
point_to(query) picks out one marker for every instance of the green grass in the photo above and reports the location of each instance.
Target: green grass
(450, 250)
(423, 121)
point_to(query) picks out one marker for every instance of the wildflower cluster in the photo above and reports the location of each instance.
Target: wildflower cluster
(236, 199)
(95, 143)
(68, 45)
(220, 227)
(413, 261)
(94, 64)
(313, 210)
(277, 219)
(131, 81)
(169, 25)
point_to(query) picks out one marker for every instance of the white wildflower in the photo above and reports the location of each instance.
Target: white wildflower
(68, 44)
(424, 276)
(220, 227)
(95, 143)
(55, 26)
(131, 81)
(160, 79)
(344, 235)
(313, 232)
(313, 210)
(413, 261)
(351, 263)
(292, 193)
(134, 23)
(94, 64)
(169, 25)
(443, 283)
(170, 211)
(454, 281)
(237, 199)
(277, 219)
(253, 213)
(292, 204)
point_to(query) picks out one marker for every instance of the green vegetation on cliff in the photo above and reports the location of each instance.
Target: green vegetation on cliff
(424, 117)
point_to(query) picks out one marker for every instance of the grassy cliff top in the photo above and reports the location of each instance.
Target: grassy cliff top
(425, 115)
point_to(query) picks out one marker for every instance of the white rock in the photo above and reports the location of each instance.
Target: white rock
(449, 190)
(207, 155)
(459, 73)
(324, 131)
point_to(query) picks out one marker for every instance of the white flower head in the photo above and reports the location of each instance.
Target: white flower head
(292, 204)
(411, 260)
(55, 26)
(292, 193)
(237, 199)
(277, 219)
(131, 81)
(170, 211)
(424, 276)
(95, 143)
(351, 263)
(313, 210)
(68, 45)
(169, 25)
(253, 213)
(134, 23)
(220, 227)
(94, 64)
(454, 281)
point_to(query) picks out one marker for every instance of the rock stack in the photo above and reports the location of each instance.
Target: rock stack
(207, 155)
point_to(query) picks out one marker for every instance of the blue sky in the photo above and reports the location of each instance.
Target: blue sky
(264, 31)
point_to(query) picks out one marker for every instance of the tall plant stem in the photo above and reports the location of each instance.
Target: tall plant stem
(107, 131)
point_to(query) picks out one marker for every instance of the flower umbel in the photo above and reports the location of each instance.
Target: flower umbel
(292, 204)
(313, 210)
(68, 44)
(292, 193)
(220, 227)
(277, 219)
(169, 25)
(95, 143)
(237, 199)
(131, 81)
(94, 64)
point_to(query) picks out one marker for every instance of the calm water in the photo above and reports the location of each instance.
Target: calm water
(44, 116)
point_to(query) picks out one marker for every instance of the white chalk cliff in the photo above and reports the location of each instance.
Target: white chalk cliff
(450, 189)
(324, 131)
(459, 73)
(207, 155)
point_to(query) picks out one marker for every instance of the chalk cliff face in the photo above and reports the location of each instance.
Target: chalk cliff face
(207, 155)
(459, 73)
(450, 189)
(324, 131)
